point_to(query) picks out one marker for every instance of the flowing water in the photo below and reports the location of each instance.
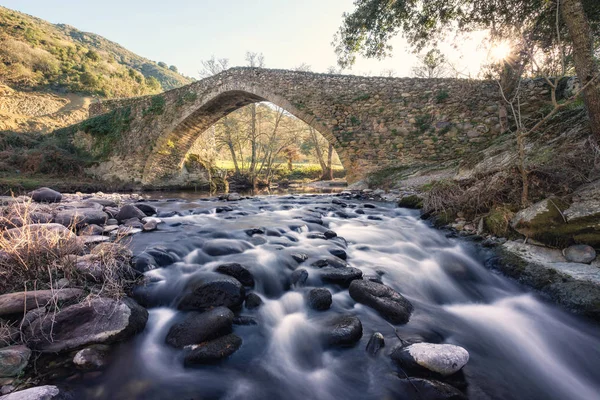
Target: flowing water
(520, 346)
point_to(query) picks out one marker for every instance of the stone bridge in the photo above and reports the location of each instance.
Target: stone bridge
(373, 122)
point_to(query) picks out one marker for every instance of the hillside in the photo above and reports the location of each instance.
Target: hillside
(38, 55)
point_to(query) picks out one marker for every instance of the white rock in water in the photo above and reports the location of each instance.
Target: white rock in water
(445, 359)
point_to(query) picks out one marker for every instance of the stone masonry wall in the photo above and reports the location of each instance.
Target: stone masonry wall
(372, 122)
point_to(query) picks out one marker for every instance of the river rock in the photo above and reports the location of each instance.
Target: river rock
(13, 360)
(46, 195)
(212, 351)
(319, 299)
(14, 303)
(206, 291)
(102, 202)
(81, 217)
(390, 304)
(443, 359)
(233, 197)
(376, 343)
(99, 320)
(339, 253)
(253, 301)
(150, 226)
(93, 357)
(342, 330)
(129, 211)
(428, 389)
(340, 276)
(299, 277)
(580, 253)
(299, 257)
(223, 247)
(47, 392)
(91, 230)
(238, 272)
(198, 327)
(147, 209)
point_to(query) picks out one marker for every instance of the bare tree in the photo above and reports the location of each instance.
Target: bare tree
(213, 66)
(390, 73)
(304, 67)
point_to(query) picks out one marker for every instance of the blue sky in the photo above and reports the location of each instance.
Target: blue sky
(185, 32)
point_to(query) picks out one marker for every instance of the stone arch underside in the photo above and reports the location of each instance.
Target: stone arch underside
(166, 159)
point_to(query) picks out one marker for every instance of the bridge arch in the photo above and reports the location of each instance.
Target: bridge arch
(167, 158)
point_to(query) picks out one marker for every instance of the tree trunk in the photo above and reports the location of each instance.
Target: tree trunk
(233, 157)
(329, 157)
(253, 139)
(585, 63)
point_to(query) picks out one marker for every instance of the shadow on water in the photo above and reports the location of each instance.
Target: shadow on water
(520, 346)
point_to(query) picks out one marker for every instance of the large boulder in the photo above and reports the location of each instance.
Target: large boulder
(81, 217)
(147, 209)
(342, 330)
(212, 351)
(129, 211)
(19, 302)
(47, 392)
(205, 291)
(543, 221)
(13, 360)
(46, 195)
(197, 327)
(99, 320)
(390, 304)
(442, 359)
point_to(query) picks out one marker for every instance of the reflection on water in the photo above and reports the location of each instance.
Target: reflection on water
(520, 346)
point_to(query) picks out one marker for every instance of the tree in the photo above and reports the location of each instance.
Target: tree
(304, 67)
(163, 64)
(213, 66)
(255, 60)
(93, 55)
(431, 65)
(173, 68)
(369, 28)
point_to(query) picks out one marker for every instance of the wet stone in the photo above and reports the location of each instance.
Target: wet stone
(206, 291)
(129, 211)
(46, 195)
(340, 276)
(376, 343)
(319, 299)
(389, 303)
(299, 277)
(147, 209)
(244, 320)
(238, 272)
(197, 327)
(299, 257)
(329, 234)
(429, 389)
(93, 357)
(212, 351)
(339, 253)
(342, 330)
(253, 301)
(223, 247)
(13, 360)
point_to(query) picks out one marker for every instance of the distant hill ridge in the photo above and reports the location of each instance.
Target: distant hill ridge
(35, 54)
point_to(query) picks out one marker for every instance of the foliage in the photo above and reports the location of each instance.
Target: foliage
(441, 95)
(369, 28)
(423, 122)
(35, 54)
(431, 65)
(157, 106)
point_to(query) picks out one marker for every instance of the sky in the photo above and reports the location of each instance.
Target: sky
(186, 32)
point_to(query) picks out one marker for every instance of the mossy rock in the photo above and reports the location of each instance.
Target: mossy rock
(497, 222)
(413, 201)
(544, 221)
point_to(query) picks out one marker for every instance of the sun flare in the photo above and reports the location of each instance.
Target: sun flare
(500, 51)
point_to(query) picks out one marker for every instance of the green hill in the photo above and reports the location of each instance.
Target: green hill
(35, 54)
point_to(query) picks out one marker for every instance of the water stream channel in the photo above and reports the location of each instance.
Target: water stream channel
(520, 346)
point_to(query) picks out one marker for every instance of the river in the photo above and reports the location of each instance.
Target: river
(520, 346)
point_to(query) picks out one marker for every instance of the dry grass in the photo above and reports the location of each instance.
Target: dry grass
(35, 256)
